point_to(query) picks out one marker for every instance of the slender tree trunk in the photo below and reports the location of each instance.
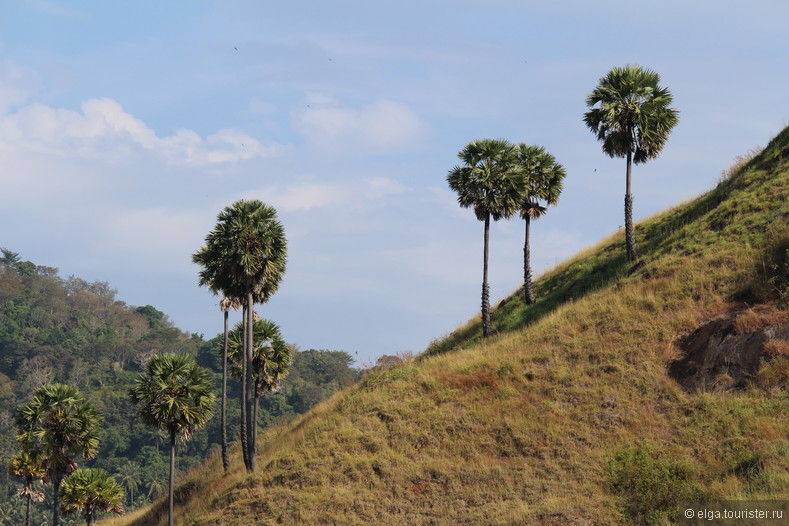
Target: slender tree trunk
(223, 416)
(255, 427)
(486, 329)
(528, 286)
(27, 512)
(89, 519)
(244, 436)
(56, 499)
(171, 501)
(249, 400)
(630, 236)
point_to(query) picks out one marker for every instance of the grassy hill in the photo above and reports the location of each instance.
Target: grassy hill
(567, 415)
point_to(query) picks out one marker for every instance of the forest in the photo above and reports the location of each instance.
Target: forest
(68, 330)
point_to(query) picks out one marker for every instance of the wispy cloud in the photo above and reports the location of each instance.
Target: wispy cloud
(307, 195)
(382, 127)
(104, 130)
(17, 85)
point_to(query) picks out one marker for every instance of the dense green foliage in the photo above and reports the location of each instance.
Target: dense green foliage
(88, 491)
(55, 329)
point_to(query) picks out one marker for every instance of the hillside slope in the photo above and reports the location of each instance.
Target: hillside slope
(567, 415)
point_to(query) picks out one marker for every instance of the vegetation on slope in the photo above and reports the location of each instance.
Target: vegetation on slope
(567, 415)
(68, 330)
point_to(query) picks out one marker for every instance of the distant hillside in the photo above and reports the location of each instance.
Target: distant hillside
(73, 331)
(568, 415)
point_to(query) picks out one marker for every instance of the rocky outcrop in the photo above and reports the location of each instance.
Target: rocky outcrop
(728, 351)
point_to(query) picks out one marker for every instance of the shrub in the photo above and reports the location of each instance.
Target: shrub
(651, 485)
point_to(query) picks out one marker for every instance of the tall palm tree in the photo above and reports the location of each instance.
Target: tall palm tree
(176, 395)
(89, 490)
(60, 424)
(27, 466)
(271, 360)
(225, 304)
(490, 181)
(130, 476)
(544, 177)
(244, 256)
(631, 115)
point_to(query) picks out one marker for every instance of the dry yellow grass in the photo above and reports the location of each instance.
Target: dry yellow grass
(546, 422)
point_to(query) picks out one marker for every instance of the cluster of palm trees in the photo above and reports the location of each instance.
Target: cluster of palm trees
(631, 115)
(243, 261)
(59, 425)
(55, 427)
(498, 179)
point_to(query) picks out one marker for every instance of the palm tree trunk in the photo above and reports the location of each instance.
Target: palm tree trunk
(255, 427)
(528, 286)
(56, 501)
(486, 329)
(223, 416)
(171, 501)
(27, 512)
(244, 444)
(249, 395)
(630, 237)
(89, 519)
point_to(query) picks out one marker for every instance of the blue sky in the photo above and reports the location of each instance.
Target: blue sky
(125, 127)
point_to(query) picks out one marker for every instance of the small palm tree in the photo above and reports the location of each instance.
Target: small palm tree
(271, 360)
(174, 395)
(244, 257)
(27, 466)
(544, 177)
(90, 490)
(156, 489)
(130, 476)
(490, 181)
(631, 114)
(60, 424)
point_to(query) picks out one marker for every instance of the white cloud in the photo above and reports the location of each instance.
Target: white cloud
(378, 187)
(161, 234)
(17, 85)
(303, 196)
(382, 127)
(104, 130)
(307, 195)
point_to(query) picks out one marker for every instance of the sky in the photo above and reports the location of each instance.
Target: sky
(125, 127)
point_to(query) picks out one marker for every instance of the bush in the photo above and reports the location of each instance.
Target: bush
(651, 486)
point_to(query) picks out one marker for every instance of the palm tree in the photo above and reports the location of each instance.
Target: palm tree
(130, 476)
(244, 257)
(490, 181)
(156, 489)
(88, 490)
(271, 359)
(176, 395)
(544, 178)
(27, 466)
(630, 114)
(60, 424)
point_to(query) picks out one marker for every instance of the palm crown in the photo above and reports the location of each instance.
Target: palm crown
(271, 355)
(490, 179)
(60, 424)
(174, 394)
(89, 490)
(543, 177)
(631, 113)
